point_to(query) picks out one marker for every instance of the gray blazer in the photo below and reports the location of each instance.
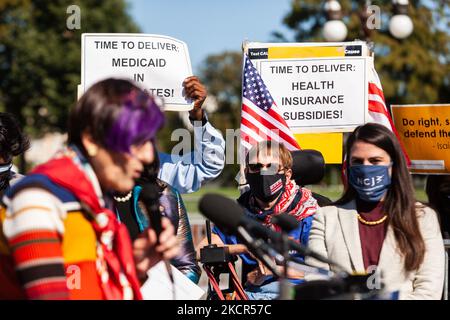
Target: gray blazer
(335, 234)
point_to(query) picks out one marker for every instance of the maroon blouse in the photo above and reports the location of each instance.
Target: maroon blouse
(372, 237)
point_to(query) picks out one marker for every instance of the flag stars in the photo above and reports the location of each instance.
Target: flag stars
(254, 88)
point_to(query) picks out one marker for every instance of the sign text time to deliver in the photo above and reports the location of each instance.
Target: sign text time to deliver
(327, 94)
(159, 64)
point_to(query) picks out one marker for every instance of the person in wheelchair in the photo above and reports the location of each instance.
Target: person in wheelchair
(268, 170)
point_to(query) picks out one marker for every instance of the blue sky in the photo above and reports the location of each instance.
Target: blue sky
(211, 26)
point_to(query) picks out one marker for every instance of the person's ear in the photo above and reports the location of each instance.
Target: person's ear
(89, 145)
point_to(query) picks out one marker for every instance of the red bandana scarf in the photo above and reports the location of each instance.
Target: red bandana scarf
(295, 201)
(115, 262)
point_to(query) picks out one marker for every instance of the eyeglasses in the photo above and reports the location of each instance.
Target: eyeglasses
(257, 167)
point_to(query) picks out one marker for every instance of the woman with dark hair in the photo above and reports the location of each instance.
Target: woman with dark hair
(377, 224)
(438, 192)
(63, 238)
(133, 212)
(13, 142)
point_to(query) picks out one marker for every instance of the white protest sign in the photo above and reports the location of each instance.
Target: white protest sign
(159, 287)
(159, 64)
(316, 88)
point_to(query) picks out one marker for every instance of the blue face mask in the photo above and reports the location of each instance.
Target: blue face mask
(370, 182)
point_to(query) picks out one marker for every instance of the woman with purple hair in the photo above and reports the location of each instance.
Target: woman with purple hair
(63, 239)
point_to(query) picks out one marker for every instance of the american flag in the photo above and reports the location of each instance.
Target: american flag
(378, 111)
(260, 117)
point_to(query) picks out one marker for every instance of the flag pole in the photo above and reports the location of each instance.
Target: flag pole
(242, 181)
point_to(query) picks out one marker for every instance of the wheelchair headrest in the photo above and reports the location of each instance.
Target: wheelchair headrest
(308, 166)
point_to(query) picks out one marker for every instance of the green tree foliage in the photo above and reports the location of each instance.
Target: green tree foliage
(222, 75)
(40, 58)
(413, 70)
(164, 140)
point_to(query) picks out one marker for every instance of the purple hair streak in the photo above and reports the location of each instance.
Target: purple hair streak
(138, 122)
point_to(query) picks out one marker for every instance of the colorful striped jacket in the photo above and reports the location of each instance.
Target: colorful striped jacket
(45, 232)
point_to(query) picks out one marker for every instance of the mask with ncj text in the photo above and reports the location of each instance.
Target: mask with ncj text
(370, 181)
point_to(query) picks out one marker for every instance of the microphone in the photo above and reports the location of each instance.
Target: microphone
(150, 197)
(229, 216)
(286, 222)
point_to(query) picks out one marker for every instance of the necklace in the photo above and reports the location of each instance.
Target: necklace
(371, 223)
(124, 199)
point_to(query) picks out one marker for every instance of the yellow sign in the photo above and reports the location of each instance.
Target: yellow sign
(425, 132)
(305, 52)
(329, 144)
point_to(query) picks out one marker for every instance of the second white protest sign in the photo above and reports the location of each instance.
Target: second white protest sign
(314, 94)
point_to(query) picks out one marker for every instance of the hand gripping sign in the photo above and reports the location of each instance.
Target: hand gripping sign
(159, 64)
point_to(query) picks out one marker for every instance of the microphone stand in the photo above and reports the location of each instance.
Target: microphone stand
(285, 285)
(257, 248)
(287, 224)
(208, 231)
(217, 260)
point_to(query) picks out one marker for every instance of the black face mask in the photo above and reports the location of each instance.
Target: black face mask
(266, 187)
(5, 175)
